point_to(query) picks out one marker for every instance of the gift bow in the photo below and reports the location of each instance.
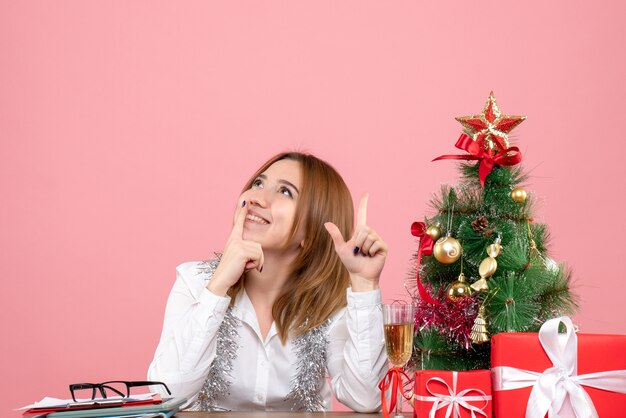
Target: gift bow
(418, 229)
(453, 400)
(509, 156)
(393, 380)
(550, 388)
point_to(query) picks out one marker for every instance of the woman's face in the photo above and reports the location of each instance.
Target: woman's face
(272, 201)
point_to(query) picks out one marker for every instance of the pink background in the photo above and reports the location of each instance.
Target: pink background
(128, 128)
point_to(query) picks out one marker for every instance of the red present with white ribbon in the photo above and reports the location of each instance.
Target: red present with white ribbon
(448, 394)
(558, 374)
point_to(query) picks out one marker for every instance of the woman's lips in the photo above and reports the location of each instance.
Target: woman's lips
(256, 219)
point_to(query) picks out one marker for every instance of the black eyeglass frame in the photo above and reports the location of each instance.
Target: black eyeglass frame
(104, 386)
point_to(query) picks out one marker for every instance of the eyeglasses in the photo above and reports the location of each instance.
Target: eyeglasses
(111, 388)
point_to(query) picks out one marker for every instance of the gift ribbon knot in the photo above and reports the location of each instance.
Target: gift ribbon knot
(453, 400)
(487, 161)
(551, 388)
(393, 381)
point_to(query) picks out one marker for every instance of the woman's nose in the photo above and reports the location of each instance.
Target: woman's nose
(258, 198)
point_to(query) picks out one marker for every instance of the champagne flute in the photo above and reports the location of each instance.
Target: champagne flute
(398, 320)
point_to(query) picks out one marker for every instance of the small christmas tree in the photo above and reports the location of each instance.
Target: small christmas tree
(482, 266)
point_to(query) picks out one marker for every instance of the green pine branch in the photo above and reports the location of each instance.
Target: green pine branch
(433, 351)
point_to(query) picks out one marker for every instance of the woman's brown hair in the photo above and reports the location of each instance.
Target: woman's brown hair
(318, 279)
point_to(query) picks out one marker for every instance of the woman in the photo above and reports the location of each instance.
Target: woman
(258, 327)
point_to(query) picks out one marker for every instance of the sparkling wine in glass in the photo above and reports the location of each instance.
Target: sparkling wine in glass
(398, 320)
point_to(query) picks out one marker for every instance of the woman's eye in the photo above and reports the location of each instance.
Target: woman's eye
(257, 183)
(286, 191)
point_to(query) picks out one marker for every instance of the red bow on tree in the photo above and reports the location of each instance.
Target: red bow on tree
(418, 229)
(508, 157)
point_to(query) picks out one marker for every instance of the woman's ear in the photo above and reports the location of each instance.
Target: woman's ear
(302, 244)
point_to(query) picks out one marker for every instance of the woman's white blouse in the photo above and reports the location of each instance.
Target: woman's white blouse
(263, 370)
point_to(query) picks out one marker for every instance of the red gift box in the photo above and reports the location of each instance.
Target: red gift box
(452, 394)
(513, 355)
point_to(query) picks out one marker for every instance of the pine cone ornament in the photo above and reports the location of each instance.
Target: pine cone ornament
(480, 224)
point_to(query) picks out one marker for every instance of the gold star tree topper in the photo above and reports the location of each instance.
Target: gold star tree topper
(490, 129)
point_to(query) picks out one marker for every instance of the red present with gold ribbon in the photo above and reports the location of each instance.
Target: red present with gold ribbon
(549, 373)
(449, 394)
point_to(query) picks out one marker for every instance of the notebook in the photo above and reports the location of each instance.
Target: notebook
(166, 409)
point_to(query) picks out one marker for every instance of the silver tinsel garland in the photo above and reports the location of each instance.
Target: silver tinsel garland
(310, 348)
(208, 267)
(219, 378)
(311, 370)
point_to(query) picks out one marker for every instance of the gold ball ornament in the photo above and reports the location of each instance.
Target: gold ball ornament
(447, 250)
(459, 289)
(434, 232)
(519, 195)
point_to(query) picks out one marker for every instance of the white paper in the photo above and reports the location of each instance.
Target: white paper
(49, 402)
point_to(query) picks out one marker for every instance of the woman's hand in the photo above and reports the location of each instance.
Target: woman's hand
(239, 256)
(364, 254)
